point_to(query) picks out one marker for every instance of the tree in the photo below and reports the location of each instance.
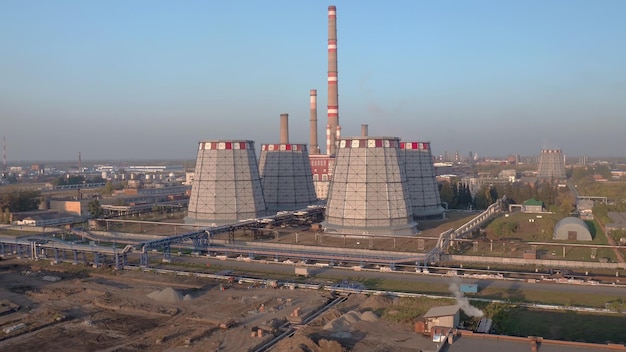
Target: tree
(20, 200)
(482, 200)
(108, 188)
(447, 193)
(95, 209)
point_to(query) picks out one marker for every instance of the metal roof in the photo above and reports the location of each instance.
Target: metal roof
(442, 311)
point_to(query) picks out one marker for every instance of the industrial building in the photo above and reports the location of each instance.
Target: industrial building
(227, 186)
(441, 316)
(421, 180)
(368, 193)
(551, 164)
(571, 229)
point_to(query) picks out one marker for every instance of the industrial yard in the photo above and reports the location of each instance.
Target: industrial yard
(80, 309)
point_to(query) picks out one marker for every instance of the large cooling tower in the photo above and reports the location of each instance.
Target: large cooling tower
(226, 186)
(286, 177)
(421, 180)
(368, 193)
(551, 164)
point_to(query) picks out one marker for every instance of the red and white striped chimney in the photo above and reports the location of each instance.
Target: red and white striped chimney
(333, 95)
(338, 135)
(328, 134)
(315, 148)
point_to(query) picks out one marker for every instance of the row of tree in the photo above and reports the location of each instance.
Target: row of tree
(18, 201)
(458, 195)
(76, 180)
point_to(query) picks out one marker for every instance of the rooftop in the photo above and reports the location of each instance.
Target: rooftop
(442, 311)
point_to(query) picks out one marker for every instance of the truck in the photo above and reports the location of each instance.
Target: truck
(302, 271)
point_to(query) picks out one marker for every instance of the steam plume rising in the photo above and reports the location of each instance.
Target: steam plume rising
(463, 301)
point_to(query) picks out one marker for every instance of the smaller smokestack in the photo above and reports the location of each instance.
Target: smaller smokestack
(284, 128)
(315, 149)
(364, 131)
(338, 136)
(328, 140)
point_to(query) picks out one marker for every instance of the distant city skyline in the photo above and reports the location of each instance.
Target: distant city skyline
(146, 80)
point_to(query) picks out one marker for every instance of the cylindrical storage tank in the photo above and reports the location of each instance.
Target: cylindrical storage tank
(368, 193)
(226, 186)
(286, 177)
(417, 160)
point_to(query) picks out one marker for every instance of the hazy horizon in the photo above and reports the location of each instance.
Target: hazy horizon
(147, 80)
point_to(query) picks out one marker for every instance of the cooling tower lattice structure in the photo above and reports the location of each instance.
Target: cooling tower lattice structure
(551, 164)
(286, 177)
(226, 186)
(368, 193)
(421, 180)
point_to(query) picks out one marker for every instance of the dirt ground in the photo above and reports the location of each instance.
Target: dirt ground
(74, 308)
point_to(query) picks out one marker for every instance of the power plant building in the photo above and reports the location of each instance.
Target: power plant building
(421, 180)
(368, 193)
(551, 164)
(226, 186)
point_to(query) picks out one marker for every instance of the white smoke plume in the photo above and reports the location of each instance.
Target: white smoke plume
(464, 301)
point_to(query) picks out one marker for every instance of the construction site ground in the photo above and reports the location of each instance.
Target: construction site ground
(75, 308)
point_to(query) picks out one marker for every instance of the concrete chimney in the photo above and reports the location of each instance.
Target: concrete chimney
(364, 131)
(315, 148)
(284, 128)
(328, 139)
(333, 95)
(338, 136)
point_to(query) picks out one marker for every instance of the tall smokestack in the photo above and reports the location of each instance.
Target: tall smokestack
(284, 128)
(315, 148)
(328, 134)
(333, 95)
(364, 131)
(4, 153)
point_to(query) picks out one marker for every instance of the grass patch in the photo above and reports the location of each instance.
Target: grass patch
(547, 297)
(407, 309)
(568, 326)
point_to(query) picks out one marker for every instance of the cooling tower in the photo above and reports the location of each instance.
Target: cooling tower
(551, 164)
(421, 180)
(226, 186)
(286, 177)
(368, 193)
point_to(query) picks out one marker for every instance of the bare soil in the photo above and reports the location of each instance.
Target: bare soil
(103, 310)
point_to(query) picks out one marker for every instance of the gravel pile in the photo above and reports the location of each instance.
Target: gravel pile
(346, 321)
(167, 295)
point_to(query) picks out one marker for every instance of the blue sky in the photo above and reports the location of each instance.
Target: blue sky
(149, 79)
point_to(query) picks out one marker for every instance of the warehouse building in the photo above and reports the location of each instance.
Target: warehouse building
(571, 229)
